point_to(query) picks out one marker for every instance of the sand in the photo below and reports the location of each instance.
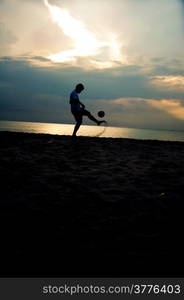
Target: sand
(90, 206)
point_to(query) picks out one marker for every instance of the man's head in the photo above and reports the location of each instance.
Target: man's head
(79, 87)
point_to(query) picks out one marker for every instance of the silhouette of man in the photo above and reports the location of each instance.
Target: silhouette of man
(78, 108)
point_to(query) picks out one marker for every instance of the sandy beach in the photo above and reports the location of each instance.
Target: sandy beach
(90, 206)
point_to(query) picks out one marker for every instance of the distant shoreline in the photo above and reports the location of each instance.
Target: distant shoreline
(92, 131)
(116, 126)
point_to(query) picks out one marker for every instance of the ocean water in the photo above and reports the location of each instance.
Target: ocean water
(93, 131)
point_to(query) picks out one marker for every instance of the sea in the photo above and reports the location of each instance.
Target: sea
(93, 131)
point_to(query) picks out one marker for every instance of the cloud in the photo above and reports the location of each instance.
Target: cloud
(167, 66)
(31, 23)
(173, 107)
(33, 93)
(145, 92)
(169, 82)
(137, 28)
(4, 84)
(145, 113)
(7, 39)
(182, 3)
(101, 51)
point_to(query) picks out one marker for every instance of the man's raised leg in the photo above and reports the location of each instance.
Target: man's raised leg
(93, 118)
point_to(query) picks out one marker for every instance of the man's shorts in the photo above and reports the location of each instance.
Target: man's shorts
(79, 114)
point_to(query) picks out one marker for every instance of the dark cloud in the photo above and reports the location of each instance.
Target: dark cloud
(40, 58)
(182, 2)
(34, 93)
(6, 58)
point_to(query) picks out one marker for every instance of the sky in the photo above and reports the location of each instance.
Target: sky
(127, 53)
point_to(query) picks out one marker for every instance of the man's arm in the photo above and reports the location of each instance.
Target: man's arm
(83, 106)
(75, 99)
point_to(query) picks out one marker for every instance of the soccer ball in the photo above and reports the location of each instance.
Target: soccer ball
(101, 114)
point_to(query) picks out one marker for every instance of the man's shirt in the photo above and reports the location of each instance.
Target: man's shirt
(74, 101)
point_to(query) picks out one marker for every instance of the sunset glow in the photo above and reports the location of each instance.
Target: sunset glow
(172, 107)
(128, 54)
(102, 54)
(169, 82)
